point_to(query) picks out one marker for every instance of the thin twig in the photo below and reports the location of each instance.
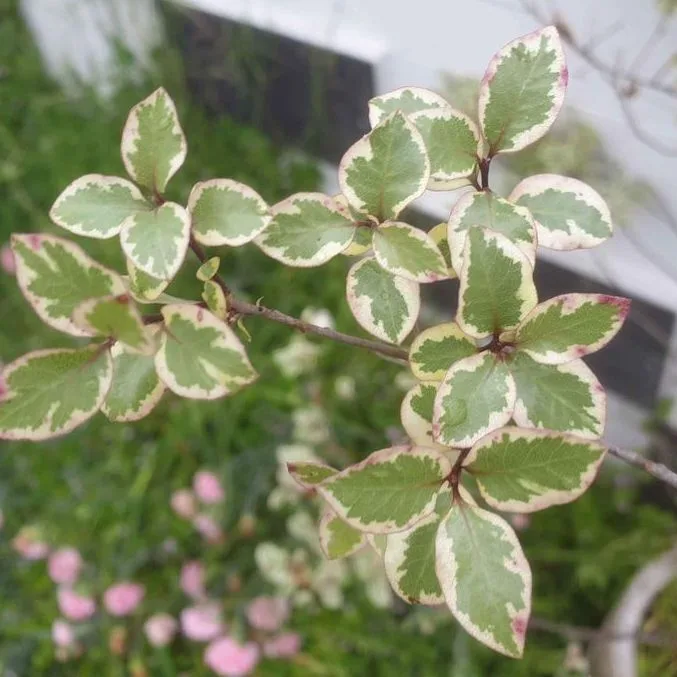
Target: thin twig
(625, 82)
(587, 634)
(656, 470)
(610, 72)
(242, 308)
(257, 310)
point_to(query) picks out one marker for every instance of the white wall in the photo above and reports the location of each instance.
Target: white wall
(413, 43)
(77, 37)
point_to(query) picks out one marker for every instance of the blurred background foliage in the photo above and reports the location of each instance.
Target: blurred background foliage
(106, 489)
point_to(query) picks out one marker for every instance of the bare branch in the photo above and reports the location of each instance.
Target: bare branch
(257, 310)
(656, 470)
(588, 634)
(242, 308)
(611, 72)
(639, 132)
(625, 82)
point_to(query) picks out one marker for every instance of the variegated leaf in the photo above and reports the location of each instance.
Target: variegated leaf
(200, 357)
(385, 305)
(215, 298)
(476, 397)
(337, 538)
(570, 326)
(95, 205)
(308, 474)
(136, 388)
(386, 169)
(156, 242)
(497, 287)
(225, 212)
(409, 562)
(144, 288)
(115, 317)
(568, 213)
(48, 393)
(452, 140)
(416, 414)
(485, 577)
(438, 234)
(307, 229)
(389, 491)
(564, 397)
(408, 252)
(361, 243)
(483, 208)
(56, 276)
(379, 543)
(520, 470)
(208, 269)
(436, 349)
(406, 99)
(523, 91)
(153, 145)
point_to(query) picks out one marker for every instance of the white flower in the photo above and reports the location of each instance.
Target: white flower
(273, 563)
(327, 582)
(288, 492)
(310, 425)
(279, 497)
(302, 598)
(405, 380)
(302, 527)
(320, 317)
(298, 357)
(292, 576)
(369, 569)
(345, 387)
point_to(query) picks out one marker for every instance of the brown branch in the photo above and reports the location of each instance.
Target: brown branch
(625, 83)
(656, 470)
(610, 72)
(242, 308)
(588, 634)
(257, 310)
(245, 309)
(639, 132)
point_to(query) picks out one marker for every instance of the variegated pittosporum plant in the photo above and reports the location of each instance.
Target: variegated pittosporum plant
(506, 414)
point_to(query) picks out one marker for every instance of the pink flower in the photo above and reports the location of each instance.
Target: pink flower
(228, 658)
(62, 634)
(207, 487)
(7, 262)
(29, 544)
(64, 565)
(208, 528)
(160, 629)
(123, 598)
(268, 613)
(202, 623)
(286, 645)
(73, 606)
(192, 580)
(183, 503)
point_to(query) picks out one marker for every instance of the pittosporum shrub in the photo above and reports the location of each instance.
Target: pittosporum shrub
(506, 416)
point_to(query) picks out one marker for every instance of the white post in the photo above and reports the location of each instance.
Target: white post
(78, 38)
